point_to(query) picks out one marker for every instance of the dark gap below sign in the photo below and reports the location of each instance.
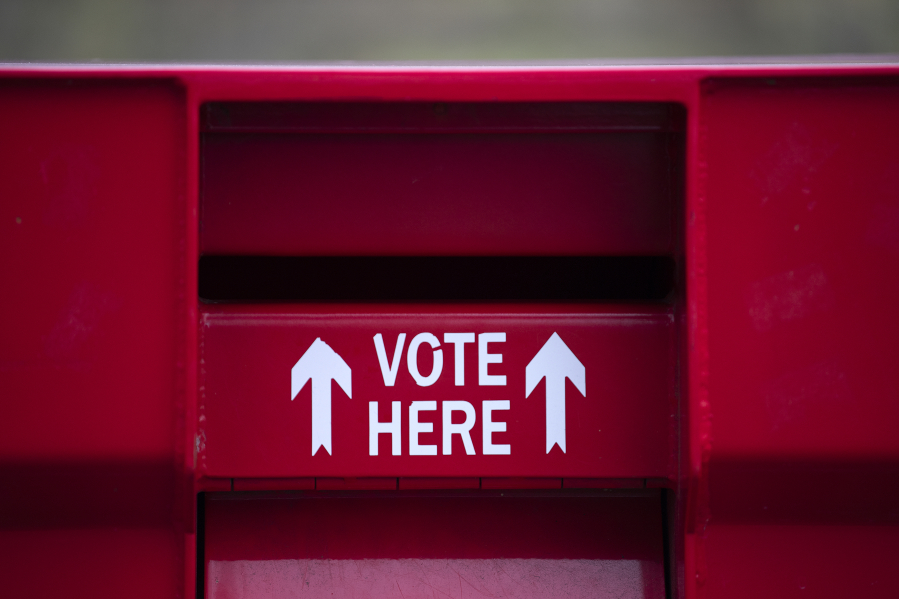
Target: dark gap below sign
(435, 279)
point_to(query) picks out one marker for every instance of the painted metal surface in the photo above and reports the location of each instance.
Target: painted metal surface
(787, 459)
(471, 179)
(92, 346)
(802, 204)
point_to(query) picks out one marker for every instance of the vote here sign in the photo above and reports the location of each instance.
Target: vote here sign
(380, 391)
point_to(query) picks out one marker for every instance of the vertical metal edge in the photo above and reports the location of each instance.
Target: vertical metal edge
(193, 499)
(695, 431)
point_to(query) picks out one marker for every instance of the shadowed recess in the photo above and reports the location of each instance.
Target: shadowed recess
(443, 278)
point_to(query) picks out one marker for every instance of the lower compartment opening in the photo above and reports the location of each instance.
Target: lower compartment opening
(434, 543)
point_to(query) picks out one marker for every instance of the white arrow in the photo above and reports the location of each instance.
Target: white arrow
(321, 364)
(555, 362)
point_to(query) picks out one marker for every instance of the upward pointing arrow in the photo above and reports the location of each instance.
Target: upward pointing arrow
(321, 364)
(555, 362)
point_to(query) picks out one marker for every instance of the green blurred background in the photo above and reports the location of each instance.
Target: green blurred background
(439, 30)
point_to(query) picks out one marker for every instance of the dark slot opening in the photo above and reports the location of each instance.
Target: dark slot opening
(667, 504)
(452, 117)
(201, 545)
(434, 279)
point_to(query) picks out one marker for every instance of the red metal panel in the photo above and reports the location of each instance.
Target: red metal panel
(438, 483)
(92, 178)
(364, 483)
(95, 560)
(801, 560)
(452, 544)
(606, 483)
(548, 193)
(92, 351)
(623, 427)
(99, 180)
(803, 223)
(274, 484)
(520, 482)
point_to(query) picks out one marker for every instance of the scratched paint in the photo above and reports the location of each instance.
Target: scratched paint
(788, 296)
(445, 578)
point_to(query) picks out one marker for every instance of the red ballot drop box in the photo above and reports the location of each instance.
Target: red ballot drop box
(404, 332)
